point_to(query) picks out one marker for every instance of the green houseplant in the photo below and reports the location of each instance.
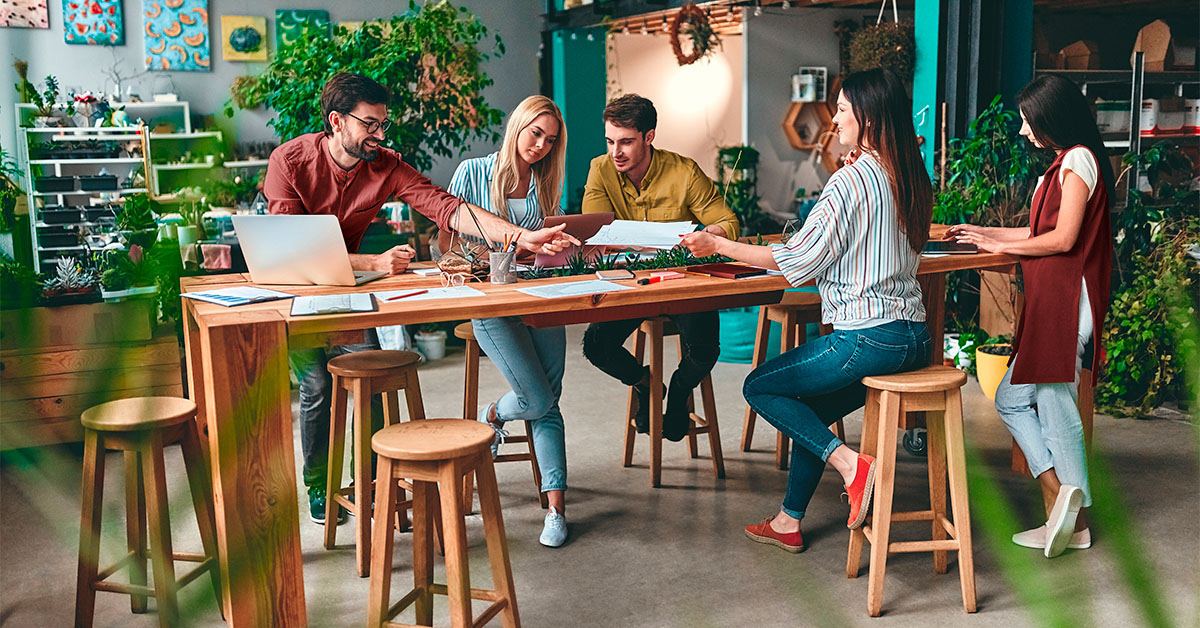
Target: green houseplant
(737, 181)
(136, 221)
(891, 45)
(430, 59)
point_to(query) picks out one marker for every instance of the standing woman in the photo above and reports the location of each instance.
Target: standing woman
(1066, 259)
(522, 183)
(861, 244)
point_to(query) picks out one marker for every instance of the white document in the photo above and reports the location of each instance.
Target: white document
(653, 235)
(241, 295)
(332, 304)
(433, 293)
(573, 289)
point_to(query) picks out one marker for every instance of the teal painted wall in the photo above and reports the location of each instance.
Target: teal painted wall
(1018, 49)
(927, 17)
(579, 78)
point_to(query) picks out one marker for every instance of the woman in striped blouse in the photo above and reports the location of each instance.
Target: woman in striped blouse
(522, 183)
(861, 245)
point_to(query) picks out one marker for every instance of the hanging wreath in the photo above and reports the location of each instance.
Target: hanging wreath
(692, 23)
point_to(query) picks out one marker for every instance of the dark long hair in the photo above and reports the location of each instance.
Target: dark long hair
(884, 113)
(1060, 118)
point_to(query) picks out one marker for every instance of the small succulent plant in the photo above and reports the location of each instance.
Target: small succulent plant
(69, 276)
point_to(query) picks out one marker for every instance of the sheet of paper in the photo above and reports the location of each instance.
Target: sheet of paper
(240, 295)
(654, 235)
(573, 289)
(458, 292)
(332, 304)
(426, 272)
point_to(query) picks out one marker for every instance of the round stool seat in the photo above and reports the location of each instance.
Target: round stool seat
(371, 363)
(432, 439)
(138, 414)
(464, 331)
(929, 379)
(800, 301)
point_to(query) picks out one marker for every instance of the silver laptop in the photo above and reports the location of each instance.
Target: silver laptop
(298, 250)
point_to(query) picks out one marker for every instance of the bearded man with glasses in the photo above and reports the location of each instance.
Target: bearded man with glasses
(345, 171)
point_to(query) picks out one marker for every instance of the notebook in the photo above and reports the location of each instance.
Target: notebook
(727, 271)
(241, 295)
(333, 304)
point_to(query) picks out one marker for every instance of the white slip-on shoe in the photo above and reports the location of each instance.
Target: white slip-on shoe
(1036, 539)
(1061, 525)
(554, 531)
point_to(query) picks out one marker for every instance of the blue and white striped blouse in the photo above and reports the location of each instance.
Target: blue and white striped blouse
(472, 180)
(853, 246)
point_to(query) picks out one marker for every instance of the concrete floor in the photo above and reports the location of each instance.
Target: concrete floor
(675, 556)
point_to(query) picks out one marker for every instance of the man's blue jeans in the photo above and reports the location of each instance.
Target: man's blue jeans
(807, 389)
(532, 361)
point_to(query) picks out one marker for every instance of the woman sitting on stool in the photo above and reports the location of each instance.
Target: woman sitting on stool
(861, 244)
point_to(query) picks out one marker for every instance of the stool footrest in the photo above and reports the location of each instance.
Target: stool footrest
(915, 515)
(512, 457)
(900, 547)
(99, 583)
(487, 595)
(114, 568)
(121, 587)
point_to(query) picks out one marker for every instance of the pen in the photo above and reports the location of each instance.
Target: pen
(402, 296)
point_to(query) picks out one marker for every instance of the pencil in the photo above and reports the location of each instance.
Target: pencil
(404, 296)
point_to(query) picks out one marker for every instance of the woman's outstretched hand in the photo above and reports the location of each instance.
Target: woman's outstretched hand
(974, 234)
(702, 243)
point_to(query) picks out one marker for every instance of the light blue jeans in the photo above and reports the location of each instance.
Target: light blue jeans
(532, 360)
(1044, 418)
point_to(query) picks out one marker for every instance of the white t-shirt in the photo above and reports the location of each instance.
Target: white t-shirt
(1080, 161)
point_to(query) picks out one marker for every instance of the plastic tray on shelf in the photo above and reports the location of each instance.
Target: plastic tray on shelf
(56, 214)
(99, 182)
(54, 184)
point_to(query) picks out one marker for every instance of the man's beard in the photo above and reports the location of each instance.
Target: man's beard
(360, 151)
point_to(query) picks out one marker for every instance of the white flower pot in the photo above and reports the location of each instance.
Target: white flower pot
(431, 344)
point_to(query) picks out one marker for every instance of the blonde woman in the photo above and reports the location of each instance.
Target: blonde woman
(522, 183)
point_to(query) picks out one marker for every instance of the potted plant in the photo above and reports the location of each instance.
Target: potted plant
(10, 195)
(891, 45)
(70, 283)
(429, 57)
(46, 101)
(19, 285)
(991, 362)
(136, 222)
(431, 341)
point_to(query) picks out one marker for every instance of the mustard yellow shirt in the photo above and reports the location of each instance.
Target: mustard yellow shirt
(674, 189)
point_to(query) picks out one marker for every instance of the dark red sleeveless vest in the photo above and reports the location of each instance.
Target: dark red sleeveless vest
(1046, 338)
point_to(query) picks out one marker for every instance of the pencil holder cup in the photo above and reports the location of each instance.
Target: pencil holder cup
(501, 267)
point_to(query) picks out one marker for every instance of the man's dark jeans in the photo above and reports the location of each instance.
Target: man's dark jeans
(316, 387)
(603, 346)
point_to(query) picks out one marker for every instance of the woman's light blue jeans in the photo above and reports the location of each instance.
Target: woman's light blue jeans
(1050, 434)
(807, 389)
(532, 360)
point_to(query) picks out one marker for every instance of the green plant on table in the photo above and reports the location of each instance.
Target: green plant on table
(137, 213)
(19, 285)
(46, 100)
(429, 57)
(69, 277)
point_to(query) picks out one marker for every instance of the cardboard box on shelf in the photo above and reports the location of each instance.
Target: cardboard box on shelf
(1163, 49)
(1081, 55)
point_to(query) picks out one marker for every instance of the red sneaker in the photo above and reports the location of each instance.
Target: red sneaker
(860, 490)
(763, 533)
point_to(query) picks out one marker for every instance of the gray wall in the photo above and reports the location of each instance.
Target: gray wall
(515, 74)
(776, 44)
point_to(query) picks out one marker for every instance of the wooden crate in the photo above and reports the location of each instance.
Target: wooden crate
(43, 390)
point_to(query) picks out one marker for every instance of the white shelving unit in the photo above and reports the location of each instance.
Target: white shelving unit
(156, 119)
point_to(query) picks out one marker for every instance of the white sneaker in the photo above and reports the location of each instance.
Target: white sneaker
(501, 433)
(1061, 524)
(1036, 538)
(554, 532)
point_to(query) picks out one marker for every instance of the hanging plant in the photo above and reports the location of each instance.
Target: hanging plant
(247, 92)
(692, 23)
(891, 45)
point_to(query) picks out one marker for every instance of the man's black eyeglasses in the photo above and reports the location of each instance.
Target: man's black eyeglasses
(373, 126)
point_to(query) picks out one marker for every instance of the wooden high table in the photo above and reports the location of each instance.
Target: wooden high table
(238, 377)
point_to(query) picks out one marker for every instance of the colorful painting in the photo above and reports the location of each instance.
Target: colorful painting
(290, 23)
(24, 14)
(244, 38)
(177, 35)
(93, 22)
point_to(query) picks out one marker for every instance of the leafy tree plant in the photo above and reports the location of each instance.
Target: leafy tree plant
(428, 57)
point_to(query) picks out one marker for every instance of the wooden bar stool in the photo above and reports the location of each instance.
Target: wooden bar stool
(142, 427)
(436, 454)
(470, 412)
(365, 374)
(655, 329)
(935, 390)
(793, 313)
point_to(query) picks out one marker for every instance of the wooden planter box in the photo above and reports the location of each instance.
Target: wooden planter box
(57, 362)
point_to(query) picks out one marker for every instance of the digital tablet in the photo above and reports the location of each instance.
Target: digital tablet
(949, 246)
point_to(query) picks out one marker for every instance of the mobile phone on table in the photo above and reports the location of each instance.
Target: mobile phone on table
(615, 274)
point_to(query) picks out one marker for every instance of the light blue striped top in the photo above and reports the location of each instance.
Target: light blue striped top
(853, 246)
(472, 180)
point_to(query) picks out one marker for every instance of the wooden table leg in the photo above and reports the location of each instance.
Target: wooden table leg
(249, 415)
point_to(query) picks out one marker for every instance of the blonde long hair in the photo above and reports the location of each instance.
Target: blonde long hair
(547, 173)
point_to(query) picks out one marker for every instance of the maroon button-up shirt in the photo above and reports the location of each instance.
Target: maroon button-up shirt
(303, 178)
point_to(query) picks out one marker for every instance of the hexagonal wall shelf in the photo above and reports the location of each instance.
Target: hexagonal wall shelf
(804, 132)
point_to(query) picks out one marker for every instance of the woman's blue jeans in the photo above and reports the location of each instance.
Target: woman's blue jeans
(807, 389)
(532, 360)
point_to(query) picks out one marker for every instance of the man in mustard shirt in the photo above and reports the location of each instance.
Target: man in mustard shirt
(636, 181)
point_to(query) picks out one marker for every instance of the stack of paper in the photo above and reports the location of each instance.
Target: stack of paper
(240, 295)
(651, 235)
(573, 289)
